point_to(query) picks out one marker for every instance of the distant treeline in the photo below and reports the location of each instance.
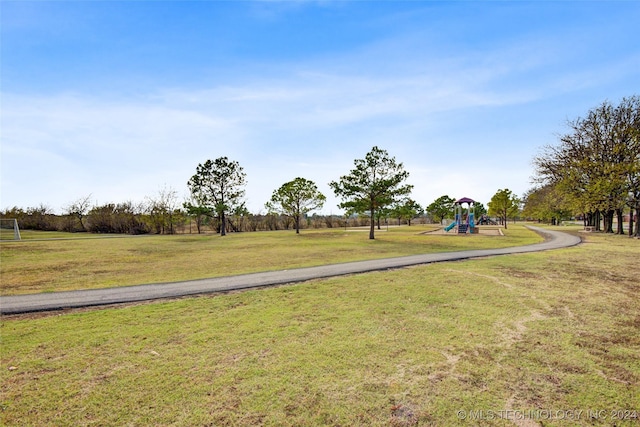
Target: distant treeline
(129, 218)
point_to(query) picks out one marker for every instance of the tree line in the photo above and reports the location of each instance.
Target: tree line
(130, 218)
(593, 171)
(375, 190)
(216, 202)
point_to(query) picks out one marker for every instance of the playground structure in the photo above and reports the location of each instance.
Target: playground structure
(463, 224)
(485, 220)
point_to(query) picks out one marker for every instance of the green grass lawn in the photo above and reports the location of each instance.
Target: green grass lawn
(552, 331)
(32, 266)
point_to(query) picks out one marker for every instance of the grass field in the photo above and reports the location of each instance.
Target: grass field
(549, 337)
(31, 266)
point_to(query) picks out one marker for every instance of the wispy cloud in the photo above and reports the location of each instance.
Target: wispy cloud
(127, 147)
(464, 115)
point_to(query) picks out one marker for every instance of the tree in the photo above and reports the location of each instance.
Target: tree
(504, 204)
(596, 165)
(118, 218)
(295, 199)
(219, 186)
(441, 208)
(479, 210)
(39, 218)
(238, 216)
(197, 210)
(546, 204)
(629, 119)
(406, 209)
(383, 212)
(127, 218)
(79, 210)
(162, 210)
(377, 181)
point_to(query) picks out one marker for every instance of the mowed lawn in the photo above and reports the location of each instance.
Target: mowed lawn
(31, 266)
(548, 338)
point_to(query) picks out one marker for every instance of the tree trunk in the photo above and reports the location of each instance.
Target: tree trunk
(609, 221)
(298, 224)
(372, 228)
(596, 221)
(223, 224)
(620, 228)
(631, 222)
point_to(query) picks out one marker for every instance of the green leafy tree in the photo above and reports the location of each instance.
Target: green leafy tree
(198, 212)
(295, 199)
(479, 210)
(546, 204)
(376, 181)
(441, 208)
(504, 204)
(219, 186)
(383, 213)
(406, 210)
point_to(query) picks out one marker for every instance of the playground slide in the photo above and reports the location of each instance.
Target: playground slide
(450, 226)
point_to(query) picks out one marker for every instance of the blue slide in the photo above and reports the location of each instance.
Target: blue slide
(450, 226)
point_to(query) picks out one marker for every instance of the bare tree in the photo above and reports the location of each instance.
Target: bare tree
(162, 209)
(79, 210)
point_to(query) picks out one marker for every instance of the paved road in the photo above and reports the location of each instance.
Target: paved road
(95, 297)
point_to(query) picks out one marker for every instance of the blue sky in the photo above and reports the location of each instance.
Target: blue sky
(119, 99)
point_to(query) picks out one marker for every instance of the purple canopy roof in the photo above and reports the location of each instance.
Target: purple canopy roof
(465, 200)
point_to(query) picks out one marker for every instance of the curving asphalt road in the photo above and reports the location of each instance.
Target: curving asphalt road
(94, 297)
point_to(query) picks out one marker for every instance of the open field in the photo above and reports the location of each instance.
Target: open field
(6, 234)
(32, 266)
(549, 336)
